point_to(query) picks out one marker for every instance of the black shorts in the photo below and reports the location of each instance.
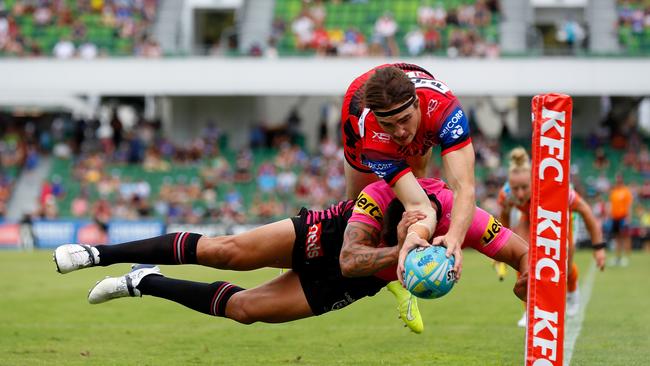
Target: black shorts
(316, 261)
(619, 226)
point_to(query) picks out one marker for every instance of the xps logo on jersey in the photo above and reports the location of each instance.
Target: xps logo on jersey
(491, 231)
(381, 137)
(368, 206)
(454, 129)
(313, 247)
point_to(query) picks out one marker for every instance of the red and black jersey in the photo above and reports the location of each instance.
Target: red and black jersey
(368, 148)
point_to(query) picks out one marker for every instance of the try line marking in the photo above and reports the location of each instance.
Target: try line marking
(574, 324)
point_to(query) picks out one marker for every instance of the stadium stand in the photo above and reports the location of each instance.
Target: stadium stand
(70, 28)
(634, 26)
(386, 28)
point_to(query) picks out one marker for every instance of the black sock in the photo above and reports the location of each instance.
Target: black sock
(174, 248)
(207, 298)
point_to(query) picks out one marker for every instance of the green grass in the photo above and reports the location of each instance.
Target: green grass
(45, 320)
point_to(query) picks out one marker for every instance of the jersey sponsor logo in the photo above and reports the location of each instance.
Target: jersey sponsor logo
(491, 231)
(432, 84)
(368, 206)
(457, 132)
(431, 107)
(417, 74)
(381, 137)
(381, 168)
(453, 127)
(344, 302)
(313, 247)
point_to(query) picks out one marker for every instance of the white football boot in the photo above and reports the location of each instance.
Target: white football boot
(114, 287)
(71, 257)
(572, 303)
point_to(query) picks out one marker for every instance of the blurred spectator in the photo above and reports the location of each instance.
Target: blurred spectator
(600, 159)
(415, 41)
(620, 199)
(80, 206)
(571, 33)
(303, 29)
(385, 29)
(88, 51)
(426, 15)
(64, 49)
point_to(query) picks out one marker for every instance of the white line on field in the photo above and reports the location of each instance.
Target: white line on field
(573, 325)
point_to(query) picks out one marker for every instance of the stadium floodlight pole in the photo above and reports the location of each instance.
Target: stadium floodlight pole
(549, 224)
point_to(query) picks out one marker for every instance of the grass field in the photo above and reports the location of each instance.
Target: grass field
(45, 320)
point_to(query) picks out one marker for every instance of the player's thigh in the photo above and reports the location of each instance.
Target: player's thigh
(269, 245)
(279, 300)
(356, 181)
(512, 252)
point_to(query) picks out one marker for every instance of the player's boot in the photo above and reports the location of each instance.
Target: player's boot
(71, 257)
(407, 307)
(572, 303)
(500, 268)
(114, 287)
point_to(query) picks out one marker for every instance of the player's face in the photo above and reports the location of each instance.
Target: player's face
(520, 186)
(403, 126)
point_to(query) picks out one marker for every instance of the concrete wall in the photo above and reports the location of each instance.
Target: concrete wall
(316, 76)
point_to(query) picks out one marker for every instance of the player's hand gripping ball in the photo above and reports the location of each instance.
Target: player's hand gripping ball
(428, 273)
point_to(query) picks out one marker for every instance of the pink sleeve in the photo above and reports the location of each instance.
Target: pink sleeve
(371, 204)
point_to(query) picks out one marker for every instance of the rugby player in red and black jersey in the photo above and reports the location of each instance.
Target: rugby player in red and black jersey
(391, 117)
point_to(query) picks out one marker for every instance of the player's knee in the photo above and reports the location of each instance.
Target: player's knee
(240, 308)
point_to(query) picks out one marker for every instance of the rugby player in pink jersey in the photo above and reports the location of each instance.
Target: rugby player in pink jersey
(391, 117)
(334, 256)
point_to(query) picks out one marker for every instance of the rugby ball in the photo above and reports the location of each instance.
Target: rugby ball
(428, 273)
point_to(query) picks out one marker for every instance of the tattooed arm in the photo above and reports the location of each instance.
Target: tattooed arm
(360, 255)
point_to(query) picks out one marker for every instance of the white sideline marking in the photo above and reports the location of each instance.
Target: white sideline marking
(574, 324)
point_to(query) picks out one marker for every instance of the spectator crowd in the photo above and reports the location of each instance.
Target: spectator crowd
(84, 29)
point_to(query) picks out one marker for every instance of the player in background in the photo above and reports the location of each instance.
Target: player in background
(322, 276)
(516, 195)
(391, 117)
(620, 202)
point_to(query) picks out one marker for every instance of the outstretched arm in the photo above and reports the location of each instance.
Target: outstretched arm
(459, 171)
(594, 229)
(360, 255)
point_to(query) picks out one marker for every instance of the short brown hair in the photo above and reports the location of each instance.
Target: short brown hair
(386, 87)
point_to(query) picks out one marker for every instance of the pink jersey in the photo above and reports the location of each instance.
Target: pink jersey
(485, 234)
